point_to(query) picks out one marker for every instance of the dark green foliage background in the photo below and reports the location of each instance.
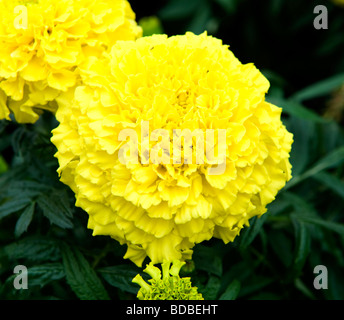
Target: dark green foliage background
(273, 259)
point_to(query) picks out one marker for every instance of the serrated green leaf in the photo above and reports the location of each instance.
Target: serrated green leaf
(55, 210)
(26, 188)
(9, 176)
(121, 277)
(82, 279)
(34, 249)
(24, 220)
(232, 291)
(43, 274)
(319, 89)
(13, 205)
(61, 197)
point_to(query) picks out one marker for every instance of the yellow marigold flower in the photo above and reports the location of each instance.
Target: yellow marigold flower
(43, 41)
(162, 210)
(168, 287)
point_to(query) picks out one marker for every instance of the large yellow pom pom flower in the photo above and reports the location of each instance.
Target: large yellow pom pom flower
(42, 43)
(155, 85)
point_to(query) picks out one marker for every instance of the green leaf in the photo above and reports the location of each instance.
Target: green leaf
(3, 124)
(26, 188)
(55, 209)
(335, 283)
(239, 271)
(251, 232)
(229, 6)
(9, 176)
(332, 226)
(282, 246)
(232, 291)
(330, 44)
(304, 138)
(3, 165)
(278, 206)
(34, 249)
(179, 9)
(207, 259)
(300, 204)
(303, 288)
(43, 274)
(332, 182)
(333, 159)
(296, 109)
(210, 291)
(319, 89)
(199, 22)
(303, 241)
(24, 220)
(81, 277)
(256, 285)
(121, 277)
(331, 136)
(13, 205)
(17, 137)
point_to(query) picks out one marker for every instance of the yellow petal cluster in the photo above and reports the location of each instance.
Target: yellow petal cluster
(42, 42)
(180, 82)
(168, 286)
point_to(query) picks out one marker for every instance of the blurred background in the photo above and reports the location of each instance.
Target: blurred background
(273, 259)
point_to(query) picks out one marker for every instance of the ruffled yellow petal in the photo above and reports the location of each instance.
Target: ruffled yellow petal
(4, 111)
(40, 58)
